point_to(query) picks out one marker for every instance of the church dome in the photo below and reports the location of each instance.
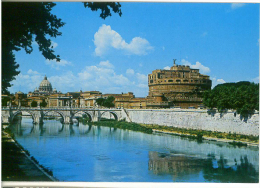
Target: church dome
(45, 86)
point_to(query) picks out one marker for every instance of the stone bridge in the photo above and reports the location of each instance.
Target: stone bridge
(66, 113)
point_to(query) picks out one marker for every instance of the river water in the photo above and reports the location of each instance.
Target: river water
(86, 153)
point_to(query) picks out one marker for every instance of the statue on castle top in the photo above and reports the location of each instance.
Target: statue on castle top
(174, 62)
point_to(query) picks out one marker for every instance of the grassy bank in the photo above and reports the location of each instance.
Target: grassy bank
(210, 134)
(15, 164)
(124, 125)
(237, 139)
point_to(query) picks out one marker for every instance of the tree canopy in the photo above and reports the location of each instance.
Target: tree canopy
(241, 96)
(34, 104)
(106, 102)
(43, 103)
(25, 22)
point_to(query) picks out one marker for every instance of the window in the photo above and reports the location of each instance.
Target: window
(170, 80)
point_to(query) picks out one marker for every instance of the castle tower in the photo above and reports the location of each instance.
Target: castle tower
(180, 85)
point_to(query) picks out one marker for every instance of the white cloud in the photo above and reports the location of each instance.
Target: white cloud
(85, 75)
(130, 71)
(65, 82)
(106, 38)
(203, 69)
(106, 64)
(30, 71)
(221, 81)
(26, 82)
(237, 5)
(256, 80)
(57, 64)
(142, 85)
(216, 81)
(167, 68)
(142, 78)
(100, 77)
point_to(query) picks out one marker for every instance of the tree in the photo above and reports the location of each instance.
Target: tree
(43, 103)
(5, 101)
(24, 22)
(34, 104)
(100, 101)
(109, 102)
(241, 96)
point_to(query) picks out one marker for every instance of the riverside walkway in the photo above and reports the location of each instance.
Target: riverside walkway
(17, 165)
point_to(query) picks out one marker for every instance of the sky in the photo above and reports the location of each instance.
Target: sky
(116, 55)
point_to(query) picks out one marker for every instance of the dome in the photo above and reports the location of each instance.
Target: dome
(45, 86)
(19, 92)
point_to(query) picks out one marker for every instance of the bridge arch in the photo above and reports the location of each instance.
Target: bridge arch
(115, 115)
(21, 111)
(57, 112)
(84, 112)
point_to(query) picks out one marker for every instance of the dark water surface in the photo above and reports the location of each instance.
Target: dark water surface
(86, 153)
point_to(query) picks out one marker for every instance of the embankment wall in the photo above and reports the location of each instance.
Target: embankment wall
(197, 119)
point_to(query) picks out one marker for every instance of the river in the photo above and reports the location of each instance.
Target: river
(88, 153)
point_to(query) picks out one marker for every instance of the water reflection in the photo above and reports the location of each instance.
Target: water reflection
(176, 165)
(49, 127)
(180, 166)
(83, 152)
(240, 173)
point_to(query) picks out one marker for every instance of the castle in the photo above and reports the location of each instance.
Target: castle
(180, 86)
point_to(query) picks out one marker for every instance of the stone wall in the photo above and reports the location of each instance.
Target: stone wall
(197, 119)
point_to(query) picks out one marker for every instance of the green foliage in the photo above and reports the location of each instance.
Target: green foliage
(43, 103)
(84, 119)
(4, 101)
(25, 22)
(124, 125)
(100, 101)
(241, 96)
(109, 102)
(104, 7)
(199, 134)
(21, 22)
(34, 104)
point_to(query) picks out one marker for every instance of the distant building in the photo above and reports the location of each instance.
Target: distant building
(45, 89)
(121, 100)
(20, 99)
(180, 86)
(59, 100)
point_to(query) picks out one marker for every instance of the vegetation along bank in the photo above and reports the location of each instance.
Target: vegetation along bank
(234, 139)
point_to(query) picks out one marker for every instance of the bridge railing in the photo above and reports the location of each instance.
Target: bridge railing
(59, 108)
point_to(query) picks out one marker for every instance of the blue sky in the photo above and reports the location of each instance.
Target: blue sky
(116, 54)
